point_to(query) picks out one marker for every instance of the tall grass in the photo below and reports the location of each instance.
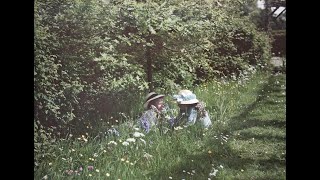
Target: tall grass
(246, 140)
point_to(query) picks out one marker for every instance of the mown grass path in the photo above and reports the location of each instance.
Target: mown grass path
(257, 149)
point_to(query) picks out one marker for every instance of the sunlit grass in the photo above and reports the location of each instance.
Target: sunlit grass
(246, 141)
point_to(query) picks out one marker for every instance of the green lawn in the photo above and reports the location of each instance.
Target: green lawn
(247, 141)
(257, 147)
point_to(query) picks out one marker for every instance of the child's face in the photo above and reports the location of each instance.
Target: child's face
(184, 107)
(158, 103)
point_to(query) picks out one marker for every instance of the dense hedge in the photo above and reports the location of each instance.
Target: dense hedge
(95, 59)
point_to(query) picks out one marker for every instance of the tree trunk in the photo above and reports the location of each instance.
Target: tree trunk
(149, 66)
(267, 20)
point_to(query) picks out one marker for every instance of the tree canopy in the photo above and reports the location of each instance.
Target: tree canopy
(92, 56)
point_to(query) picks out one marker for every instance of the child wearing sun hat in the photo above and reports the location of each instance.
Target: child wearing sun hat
(153, 106)
(191, 110)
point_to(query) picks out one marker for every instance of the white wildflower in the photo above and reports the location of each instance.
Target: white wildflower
(144, 142)
(178, 128)
(213, 173)
(125, 143)
(147, 156)
(112, 142)
(131, 140)
(138, 134)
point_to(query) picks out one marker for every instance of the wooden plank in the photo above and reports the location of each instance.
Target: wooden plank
(274, 10)
(281, 12)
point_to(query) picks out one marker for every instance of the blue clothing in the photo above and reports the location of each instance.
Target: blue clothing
(152, 118)
(148, 120)
(192, 116)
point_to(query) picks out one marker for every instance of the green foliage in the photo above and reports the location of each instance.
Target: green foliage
(46, 73)
(92, 57)
(44, 144)
(70, 84)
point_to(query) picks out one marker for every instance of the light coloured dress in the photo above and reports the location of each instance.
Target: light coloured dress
(194, 115)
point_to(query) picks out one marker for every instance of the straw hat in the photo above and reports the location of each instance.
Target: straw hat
(150, 97)
(186, 97)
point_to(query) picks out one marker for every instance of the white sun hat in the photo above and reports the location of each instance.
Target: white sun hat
(186, 97)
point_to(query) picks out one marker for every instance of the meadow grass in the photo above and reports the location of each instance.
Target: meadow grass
(246, 141)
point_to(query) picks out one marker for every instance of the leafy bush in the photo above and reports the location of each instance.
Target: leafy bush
(44, 144)
(95, 59)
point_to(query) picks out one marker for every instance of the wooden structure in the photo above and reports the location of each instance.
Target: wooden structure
(277, 4)
(277, 35)
(270, 14)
